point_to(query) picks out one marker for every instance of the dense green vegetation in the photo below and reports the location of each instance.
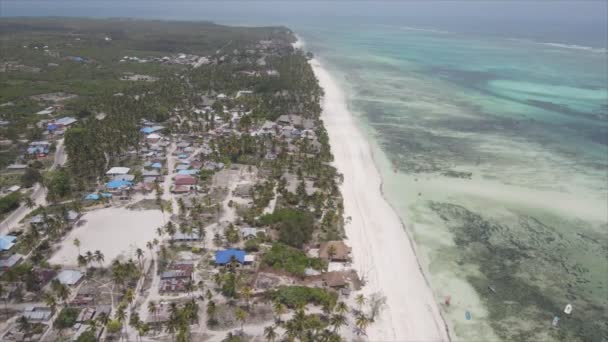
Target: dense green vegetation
(295, 226)
(10, 202)
(67, 318)
(295, 296)
(291, 260)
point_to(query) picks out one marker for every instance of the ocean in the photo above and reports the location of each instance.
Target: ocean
(489, 126)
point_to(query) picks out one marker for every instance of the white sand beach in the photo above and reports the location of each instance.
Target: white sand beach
(113, 231)
(382, 251)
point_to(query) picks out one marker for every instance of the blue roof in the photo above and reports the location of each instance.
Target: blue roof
(182, 156)
(52, 127)
(115, 184)
(223, 257)
(106, 194)
(92, 197)
(156, 166)
(7, 242)
(147, 130)
(187, 172)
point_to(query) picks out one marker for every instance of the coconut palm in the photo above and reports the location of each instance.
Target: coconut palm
(360, 300)
(279, 310)
(270, 333)
(99, 257)
(140, 253)
(89, 256)
(337, 321)
(241, 315)
(246, 292)
(150, 246)
(361, 323)
(76, 243)
(341, 308)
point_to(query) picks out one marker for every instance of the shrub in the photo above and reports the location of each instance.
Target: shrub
(252, 245)
(67, 318)
(292, 260)
(293, 296)
(9, 202)
(30, 177)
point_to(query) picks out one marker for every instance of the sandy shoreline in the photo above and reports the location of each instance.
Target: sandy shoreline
(382, 251)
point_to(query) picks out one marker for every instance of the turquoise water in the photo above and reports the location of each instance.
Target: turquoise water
(491, 134)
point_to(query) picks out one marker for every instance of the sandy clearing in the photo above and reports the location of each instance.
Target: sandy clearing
(113, 231)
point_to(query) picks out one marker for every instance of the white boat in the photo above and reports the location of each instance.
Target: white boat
(568, 309)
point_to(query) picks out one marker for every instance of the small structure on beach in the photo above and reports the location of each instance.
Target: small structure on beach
(334, 251)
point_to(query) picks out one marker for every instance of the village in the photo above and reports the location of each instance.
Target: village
(215, 223)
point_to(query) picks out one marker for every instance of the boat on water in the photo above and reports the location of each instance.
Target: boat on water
(467, 315)
(568, 309)
(555, 321)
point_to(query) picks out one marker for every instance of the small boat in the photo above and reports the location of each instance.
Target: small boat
(492, 289)
(467, 315)
(555, 321)
(568, 309)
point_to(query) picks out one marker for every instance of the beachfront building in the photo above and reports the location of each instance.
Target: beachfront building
(334, 251)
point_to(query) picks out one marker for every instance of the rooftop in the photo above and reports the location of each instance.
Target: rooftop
(117, 170)
(69, 277)
(223, 256)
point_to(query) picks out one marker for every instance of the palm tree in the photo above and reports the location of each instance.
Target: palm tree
(211, 309)
(23, 323)
(270, 333)
(337, 321)
(76, 243)
(150, 246)
(331, 252)
(98, 256)
(82, 261)
(89, 256)
(341, 308)
(29, 203)
(130, 296)
(360, 300)
(361, 323)
(246, 292)
(241, 315)
(279, 309)
(140, 253)
(49, 300)
(170, 229)
(63, 292)
(152, 308)
(142, 330)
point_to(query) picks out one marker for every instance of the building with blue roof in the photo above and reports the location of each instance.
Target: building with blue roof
(7, 242)
(117, 184)
(188, 172)
(223, 257)
(92, 197)
(156, 166)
